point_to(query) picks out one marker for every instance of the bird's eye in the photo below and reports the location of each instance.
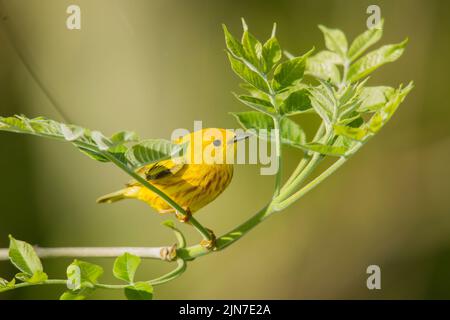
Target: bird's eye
(217, 143)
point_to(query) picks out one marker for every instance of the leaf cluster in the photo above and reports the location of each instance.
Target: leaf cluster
(337, 92)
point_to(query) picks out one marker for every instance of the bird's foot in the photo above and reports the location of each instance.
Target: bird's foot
(184, 217)
(210, 243)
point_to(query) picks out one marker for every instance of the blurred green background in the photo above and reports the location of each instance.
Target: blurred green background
(156, 65)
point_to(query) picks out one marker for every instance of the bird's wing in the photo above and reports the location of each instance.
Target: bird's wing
(158, 170)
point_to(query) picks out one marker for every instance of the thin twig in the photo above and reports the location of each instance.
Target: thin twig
(160, 253)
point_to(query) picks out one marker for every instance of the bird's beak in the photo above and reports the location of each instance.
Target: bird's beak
(239, 137)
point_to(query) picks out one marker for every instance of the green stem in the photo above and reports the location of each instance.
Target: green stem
(206, 234)
(26, 284)
(229, 238)
(304, 174)
(279, 174)
(180, 269)
(346, 66)
(182, 265)
(306, 158)
(311, 185)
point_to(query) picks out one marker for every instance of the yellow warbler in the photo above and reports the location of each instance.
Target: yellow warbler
(193, 180)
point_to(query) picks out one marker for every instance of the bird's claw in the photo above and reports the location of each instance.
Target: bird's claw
(184, 217)
(210, 243)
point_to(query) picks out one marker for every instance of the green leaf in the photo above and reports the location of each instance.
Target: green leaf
(345, 143)
(365, 40)
(180, 237)
(297, 102)
(23, 257)
(336, 151)
(139, 291)
(91, 143)
(384, 114)
(37, 277)
(247, 74)
(375, 59)
(324, 102)
(93, 155)
(169, 224)
(82, 294)
(125, 267)
(374, 98)
(233, 45)
(6, 285)
(254, 92)
(3, 283)
(291, 132)
(358, 134)
(124, 137)
(152, 150)
(289, 72)
(254, 120)
(323, 66)
(353, 120)
(335, 40)
(81, 274)
(252, 50)
(271, 53)
(256, 103)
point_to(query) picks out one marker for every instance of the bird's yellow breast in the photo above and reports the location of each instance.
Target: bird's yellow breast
(192, 187)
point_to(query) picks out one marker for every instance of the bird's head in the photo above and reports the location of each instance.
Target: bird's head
(211, 145)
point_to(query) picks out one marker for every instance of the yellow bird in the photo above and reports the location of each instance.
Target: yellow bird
(193, 180)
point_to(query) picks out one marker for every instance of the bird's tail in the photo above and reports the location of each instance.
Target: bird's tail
(112, 197)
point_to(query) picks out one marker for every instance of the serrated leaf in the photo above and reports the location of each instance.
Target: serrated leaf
(289, 72)
(247, 74)
(23, 257)
(252, 50)
(358, 134)
(345, 143)
(151, 150)
(324, 102)
(254, 120)
(90, 143)
(139, 291)
(125, 267)
(297, 102)
(254, 92)
(291, 133)
(375, 59)
(353, 120)
(233, 45)
(256, 103)
(374, 98)
(335, 40)
(323, 66)
(365, 40)
(384, 114)
(271, 53)
(81, 274)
